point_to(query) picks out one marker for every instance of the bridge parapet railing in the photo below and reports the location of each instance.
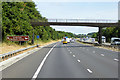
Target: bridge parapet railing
(77, 20)
(83, 20)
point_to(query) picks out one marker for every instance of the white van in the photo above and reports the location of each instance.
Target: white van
(103, 39)
(68, 40)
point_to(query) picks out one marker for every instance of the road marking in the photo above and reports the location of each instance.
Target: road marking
(116, 60)
(102, 55)
(73, 55)
(93, 51)
(70, 52)
(89, 71)
(42, 63)
(87, 49)
(78, 60)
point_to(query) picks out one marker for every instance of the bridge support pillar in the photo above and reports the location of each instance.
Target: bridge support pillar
(100, 35)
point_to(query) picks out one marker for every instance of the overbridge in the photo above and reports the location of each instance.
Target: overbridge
(79, 22)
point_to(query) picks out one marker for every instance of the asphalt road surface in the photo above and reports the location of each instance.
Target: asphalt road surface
(72, 60)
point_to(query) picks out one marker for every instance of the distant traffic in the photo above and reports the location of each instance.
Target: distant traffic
(114, 40)
(66, 40)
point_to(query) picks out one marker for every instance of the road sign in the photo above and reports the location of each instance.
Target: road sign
(38, 37)
(18, 38)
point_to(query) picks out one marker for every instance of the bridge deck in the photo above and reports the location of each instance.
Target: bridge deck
(75, 24)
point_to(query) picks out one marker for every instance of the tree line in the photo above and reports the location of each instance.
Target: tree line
(16, 17)
(108, 32)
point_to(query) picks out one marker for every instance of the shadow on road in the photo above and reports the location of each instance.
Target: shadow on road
(63, 46)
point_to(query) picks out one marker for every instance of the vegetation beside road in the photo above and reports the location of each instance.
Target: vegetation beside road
(108, 32)
(16, 17)
(11, 46)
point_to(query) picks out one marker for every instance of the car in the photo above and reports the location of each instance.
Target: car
(72, 41)
(64, 42)
(68, 40)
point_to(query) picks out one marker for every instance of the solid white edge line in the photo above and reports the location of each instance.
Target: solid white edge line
(21, 56)
(42, 63)
(89, 71)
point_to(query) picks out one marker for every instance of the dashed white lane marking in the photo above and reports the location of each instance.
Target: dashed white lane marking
(116, 60)
(73, 55)
(70, 52)
(78, 60)
(102, 55)
(42, 63)
(93, 51)
(89, 71)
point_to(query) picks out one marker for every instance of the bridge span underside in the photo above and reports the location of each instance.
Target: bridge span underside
(74, 24)
(100, 25)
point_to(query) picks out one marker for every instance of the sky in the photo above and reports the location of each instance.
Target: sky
(78, 10)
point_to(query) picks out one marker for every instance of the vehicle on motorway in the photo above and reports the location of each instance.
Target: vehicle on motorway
(64, 40)
(72, 40)
(115, 41)
(103, 39)
(68, 40)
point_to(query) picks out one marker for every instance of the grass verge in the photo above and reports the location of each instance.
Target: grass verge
(11, 46)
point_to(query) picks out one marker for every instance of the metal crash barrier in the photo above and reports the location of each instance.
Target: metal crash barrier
(104, 45)
(10, 54)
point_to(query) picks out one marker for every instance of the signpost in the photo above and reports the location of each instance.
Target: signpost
(38, 37)
(37, 40)
(18, 38)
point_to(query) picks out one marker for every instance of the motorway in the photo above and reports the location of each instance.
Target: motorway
(72, 60)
